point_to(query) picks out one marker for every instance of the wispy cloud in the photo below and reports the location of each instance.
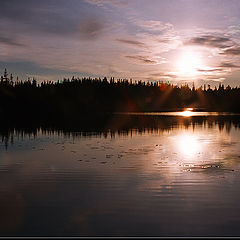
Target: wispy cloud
(210, 70)
(131, 42)
(163, 75)
(211, 41)
(101, 3)
(215, 79)
(233, 51)
(142, 59)
(50, 18)
(91, 28)
(11, 41)
(152, 25)
(158, 36)
(228, 65)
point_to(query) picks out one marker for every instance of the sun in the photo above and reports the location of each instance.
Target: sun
(189, 63)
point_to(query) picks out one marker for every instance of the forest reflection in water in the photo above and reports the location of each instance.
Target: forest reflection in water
(120, 124)
(121, 175)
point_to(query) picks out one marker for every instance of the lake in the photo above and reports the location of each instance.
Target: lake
(127, 175)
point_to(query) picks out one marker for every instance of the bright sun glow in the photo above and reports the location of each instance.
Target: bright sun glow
(189, 63)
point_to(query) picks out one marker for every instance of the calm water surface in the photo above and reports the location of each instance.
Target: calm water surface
(150, 176)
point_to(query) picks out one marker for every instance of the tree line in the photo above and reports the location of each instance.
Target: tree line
(77, 96)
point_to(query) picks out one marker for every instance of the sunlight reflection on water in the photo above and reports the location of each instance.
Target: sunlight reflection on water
(188, 145)
(159, 179)
(188, 112)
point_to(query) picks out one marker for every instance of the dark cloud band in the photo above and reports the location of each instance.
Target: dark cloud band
(211, 41)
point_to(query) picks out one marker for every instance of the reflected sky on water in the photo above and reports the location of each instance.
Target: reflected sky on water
(160, 177)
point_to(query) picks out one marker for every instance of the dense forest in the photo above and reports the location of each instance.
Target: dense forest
(78, 96)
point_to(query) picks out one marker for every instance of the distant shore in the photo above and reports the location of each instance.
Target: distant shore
(80, 96)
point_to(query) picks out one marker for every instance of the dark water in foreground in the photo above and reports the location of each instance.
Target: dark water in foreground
(136, 176)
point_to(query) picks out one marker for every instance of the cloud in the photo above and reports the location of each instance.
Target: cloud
(210, 70)
(101, 3)
(142, 59)
(10, 41)
(91, 28)
(211, 41)
(234, 30)
(51, 18)
(163, 75)
(158, 36)
(216, 72)
(233, 51)
(213, 79)
(131, 42)
(228, 65)
(152, 25)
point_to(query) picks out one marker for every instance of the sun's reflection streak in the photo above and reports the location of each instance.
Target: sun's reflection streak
(187, 113)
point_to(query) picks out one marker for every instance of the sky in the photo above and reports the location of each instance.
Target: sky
(176, 41)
